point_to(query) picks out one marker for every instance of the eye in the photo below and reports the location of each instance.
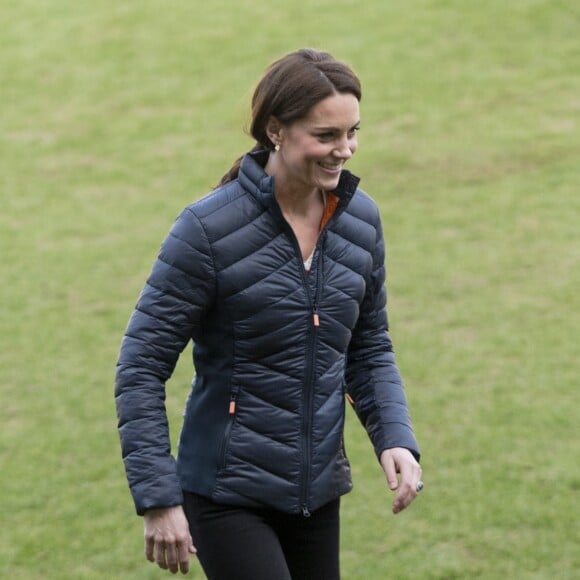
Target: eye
(325, 136)
(352, 133)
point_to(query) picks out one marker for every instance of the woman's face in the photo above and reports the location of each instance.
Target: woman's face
(313, 150)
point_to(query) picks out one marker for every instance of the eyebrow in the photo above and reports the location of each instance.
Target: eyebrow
(334, 129)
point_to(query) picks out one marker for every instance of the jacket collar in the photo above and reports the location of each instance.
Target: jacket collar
(254, 179)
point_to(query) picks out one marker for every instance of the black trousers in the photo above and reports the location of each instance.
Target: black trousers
(235, 543)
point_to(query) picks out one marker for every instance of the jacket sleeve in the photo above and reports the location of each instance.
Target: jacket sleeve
(169, 313)
(373, 380)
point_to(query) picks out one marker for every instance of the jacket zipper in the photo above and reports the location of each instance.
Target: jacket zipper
(311, 347)
(309, 382)
(307, 416)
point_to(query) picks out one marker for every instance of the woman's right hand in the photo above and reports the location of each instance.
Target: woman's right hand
(167, 539)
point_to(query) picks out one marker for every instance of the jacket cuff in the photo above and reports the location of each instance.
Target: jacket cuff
(162, 492)
(401, 436)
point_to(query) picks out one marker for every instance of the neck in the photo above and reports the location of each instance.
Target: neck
(299, 203)
(291, 197)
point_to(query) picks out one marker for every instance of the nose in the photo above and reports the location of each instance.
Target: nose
(345, 148)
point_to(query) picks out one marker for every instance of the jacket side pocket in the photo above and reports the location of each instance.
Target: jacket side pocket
(232, 412)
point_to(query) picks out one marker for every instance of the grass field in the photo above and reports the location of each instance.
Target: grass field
(114, 116)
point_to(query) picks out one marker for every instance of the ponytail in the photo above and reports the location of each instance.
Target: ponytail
(232, 172)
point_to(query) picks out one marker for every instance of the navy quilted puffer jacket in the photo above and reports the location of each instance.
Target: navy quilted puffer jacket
(276, 350)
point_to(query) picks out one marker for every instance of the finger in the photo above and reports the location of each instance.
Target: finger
(391, 473)
(160, 555)
(407, 491)
(171, 557)
(183, 551)
(405, 495)
(149, 545)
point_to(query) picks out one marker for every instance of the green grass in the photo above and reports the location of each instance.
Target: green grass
(115, 115)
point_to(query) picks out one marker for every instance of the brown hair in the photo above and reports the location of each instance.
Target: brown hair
(289, 88)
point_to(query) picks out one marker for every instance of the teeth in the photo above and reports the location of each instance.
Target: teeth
(331, 167)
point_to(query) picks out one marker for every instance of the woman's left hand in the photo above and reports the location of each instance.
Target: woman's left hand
(403, 476)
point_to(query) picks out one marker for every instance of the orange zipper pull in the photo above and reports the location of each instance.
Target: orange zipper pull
(315, 319)
(232, 409)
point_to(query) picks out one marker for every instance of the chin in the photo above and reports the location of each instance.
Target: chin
(329, 184)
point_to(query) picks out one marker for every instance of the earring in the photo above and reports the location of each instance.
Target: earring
(276, 147)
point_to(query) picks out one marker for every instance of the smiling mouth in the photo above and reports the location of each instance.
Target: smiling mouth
(330, 166)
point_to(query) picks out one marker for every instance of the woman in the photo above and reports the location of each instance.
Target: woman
(277, 277)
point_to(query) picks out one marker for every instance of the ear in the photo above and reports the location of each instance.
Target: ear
(274, 130)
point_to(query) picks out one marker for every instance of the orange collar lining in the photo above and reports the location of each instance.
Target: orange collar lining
(329, 208)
